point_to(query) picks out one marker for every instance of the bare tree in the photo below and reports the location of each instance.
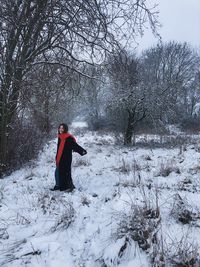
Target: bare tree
(35, 32)
(46, 92)
(126, 97)
(167, 74)
(158, 87)
(91, 100)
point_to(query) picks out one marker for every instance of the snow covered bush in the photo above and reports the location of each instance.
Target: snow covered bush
(183, 253)
(3, 233)
(85, 201)
(191, 125)
(194, 169)
(182, 211)
(139, 225)
(65, 219)
(20, 151)
(81, 162)
(127, 166)
(46, 202)
(167, 167)
(187, 184)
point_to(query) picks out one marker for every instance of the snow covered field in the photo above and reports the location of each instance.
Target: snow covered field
(132, 207)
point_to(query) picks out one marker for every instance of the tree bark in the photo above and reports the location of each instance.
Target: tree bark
(46, 118)
(8, 105)
(3, 136)
(4, 112)
(129, 129)
(133, 119)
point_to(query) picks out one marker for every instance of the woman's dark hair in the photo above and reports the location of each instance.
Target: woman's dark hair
(65, 126)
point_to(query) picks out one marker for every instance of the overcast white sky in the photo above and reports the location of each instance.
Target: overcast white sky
(180, 21)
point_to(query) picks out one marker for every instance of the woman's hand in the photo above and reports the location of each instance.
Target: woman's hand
(84, 152)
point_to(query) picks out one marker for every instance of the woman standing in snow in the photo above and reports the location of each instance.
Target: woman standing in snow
(66, 144)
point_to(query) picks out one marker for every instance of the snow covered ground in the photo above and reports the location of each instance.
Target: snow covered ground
(132, 207)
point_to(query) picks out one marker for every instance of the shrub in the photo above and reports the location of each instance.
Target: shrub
(139, 225)
(167, 168)
(184, 253)
(182, 211)
(66, 218)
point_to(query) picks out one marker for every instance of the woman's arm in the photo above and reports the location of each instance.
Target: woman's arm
(77, 148)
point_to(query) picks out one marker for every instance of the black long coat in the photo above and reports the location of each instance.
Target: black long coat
(65, 179)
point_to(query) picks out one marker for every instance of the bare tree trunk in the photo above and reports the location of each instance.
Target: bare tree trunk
(133, 119)
(3, 136)
(8, 104)
(46, 116)
(129, 129)
(4, 116)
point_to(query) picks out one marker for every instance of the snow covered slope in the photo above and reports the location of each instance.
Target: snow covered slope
(132, 207)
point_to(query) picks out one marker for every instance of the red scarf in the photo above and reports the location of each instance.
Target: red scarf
(63, 138)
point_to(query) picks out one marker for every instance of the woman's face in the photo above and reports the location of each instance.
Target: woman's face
(61, 129)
